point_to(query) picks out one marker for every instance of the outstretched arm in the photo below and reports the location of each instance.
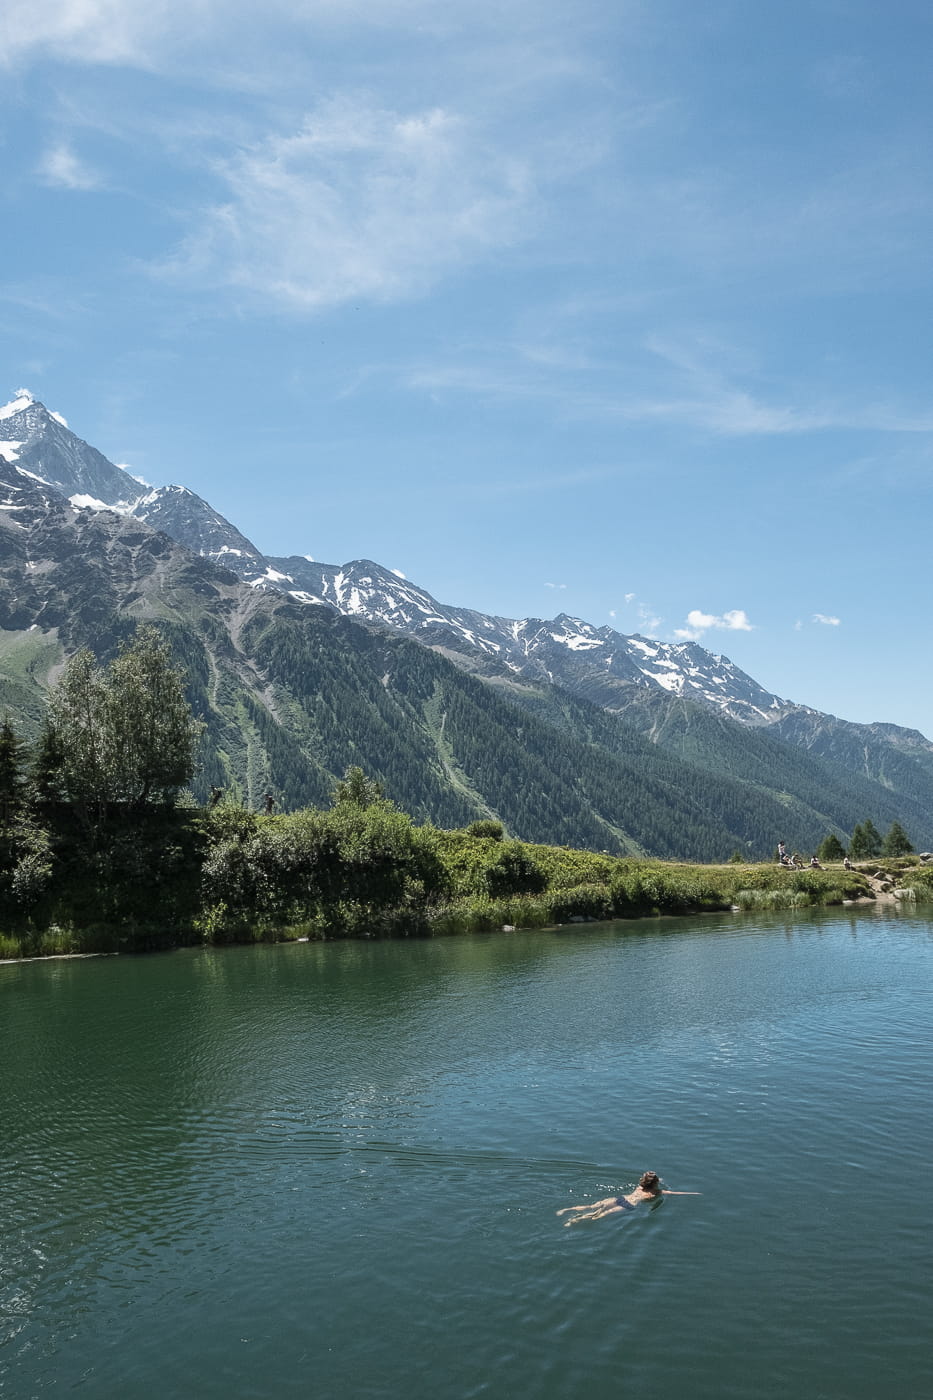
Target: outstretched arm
(681, 1193)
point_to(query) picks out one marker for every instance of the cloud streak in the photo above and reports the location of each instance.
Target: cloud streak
(360, 202)
(60, 166)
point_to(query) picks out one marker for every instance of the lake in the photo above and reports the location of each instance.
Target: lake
(333, 1170)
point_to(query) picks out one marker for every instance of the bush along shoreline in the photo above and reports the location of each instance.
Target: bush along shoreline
(103, 850)
(174, 876)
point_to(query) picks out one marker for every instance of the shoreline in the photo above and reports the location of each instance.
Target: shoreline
(880, 898)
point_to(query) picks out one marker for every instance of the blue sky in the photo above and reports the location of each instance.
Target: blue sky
(616, 309)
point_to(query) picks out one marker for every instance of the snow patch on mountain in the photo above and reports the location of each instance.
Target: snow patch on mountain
(90, 503)
(22, 400)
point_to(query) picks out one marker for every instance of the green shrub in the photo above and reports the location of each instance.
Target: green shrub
(920, 881)
(514, 872)
(486, 829)
(581, 902)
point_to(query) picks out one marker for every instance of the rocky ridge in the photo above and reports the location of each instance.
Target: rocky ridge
(655, 686)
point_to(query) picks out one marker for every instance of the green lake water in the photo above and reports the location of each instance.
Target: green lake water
(333, 1170)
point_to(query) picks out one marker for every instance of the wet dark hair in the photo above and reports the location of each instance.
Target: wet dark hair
(650, 1181)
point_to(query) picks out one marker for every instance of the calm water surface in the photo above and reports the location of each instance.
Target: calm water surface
(332, 1170)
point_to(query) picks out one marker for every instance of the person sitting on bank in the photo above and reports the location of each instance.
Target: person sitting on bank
(815, 864)
(648, 1189)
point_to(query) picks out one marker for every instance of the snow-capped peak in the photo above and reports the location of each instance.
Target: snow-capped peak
(22, 400)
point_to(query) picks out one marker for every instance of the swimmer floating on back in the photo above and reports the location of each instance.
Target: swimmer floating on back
(648, 1189)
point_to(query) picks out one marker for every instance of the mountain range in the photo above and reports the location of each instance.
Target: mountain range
(567, 732)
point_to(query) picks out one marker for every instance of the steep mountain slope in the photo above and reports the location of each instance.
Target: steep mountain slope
(293, 694)
(595, 662)
(662, 720)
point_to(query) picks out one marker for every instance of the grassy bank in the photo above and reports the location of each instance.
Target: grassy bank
(172, 877)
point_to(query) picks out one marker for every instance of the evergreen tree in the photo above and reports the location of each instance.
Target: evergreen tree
(896, 842)
(872, 836)
(47, 772)
(12, 779)
(859, 846)
(830, 849)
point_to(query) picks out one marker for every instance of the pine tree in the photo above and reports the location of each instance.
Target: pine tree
(896, 842)
(830, 849)
(12, 779)
(859, 846)
(872, 836)
(47, 771)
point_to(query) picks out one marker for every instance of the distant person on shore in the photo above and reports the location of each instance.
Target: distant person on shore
(782, 853)
(815, 864)
(268, 803)
(648, 1189)
(847, 863)
(215, 797)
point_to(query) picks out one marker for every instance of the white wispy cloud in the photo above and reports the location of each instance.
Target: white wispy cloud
(826, 620)
(735, 620)
(146, 35)
(555, 585)
(692, 381)
(397, 572)
(360, 202)
(649, 620)
(60, 166)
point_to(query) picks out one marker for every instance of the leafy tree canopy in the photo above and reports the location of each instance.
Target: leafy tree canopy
(356, 790)
(122, 733)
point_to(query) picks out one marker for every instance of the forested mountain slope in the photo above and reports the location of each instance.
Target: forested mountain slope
(622, 742)
(293, 694)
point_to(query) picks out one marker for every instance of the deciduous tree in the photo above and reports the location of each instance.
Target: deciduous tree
(125, 734)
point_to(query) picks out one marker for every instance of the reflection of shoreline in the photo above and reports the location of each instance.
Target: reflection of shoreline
(55, 957)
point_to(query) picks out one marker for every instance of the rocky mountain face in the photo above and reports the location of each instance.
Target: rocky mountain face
(84, 542)
(590, 661)
(291, 695)
(42, 446)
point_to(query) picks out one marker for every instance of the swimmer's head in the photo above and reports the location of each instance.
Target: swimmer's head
(650, 1181)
